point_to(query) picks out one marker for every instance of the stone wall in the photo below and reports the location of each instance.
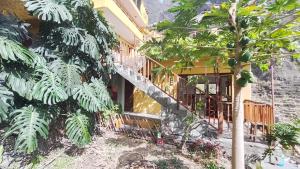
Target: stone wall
(287, 89)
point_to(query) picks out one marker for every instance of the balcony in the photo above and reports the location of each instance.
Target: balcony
(120, 21)
(136, 10)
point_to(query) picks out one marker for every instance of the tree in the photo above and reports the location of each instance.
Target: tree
(62, 72)
(234, 33)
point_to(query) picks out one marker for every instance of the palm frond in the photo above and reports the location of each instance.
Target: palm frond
(90, 46)
(50, 88)
(68, 73)
(48, 10)
(93, 97)
(11, 50)
(29, 123)
(77, 129)
(6, 98)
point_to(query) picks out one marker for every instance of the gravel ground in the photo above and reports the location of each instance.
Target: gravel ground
(116, 151)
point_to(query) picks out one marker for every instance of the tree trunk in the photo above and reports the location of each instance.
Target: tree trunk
(238, 161)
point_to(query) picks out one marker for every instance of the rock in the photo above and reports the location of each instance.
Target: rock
(287, 87)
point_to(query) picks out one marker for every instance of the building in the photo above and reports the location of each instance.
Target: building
(167, 96)
(151, 95)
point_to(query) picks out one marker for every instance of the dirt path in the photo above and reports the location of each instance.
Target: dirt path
(116, 151)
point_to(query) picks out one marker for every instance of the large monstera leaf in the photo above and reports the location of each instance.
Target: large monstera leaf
(6, 98)
(29, 123)
(77, 129)
(71, 36)
(48, 10)
(68, 73)
(18, 83)
(13, 29)
(90, 46)
(93, 97)
(11, 50)
(50, 89)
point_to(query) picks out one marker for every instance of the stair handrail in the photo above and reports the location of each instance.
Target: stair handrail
(203, 92)
(188, 100)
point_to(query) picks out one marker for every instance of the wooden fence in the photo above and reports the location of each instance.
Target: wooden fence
(259, 115)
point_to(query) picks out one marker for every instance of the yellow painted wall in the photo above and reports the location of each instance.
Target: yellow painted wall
(200, 67)
(142, 103)
(246, 91)
(117, 11)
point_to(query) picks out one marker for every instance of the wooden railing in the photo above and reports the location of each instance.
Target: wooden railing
(192, 98)
(258, 115)
(185, 93)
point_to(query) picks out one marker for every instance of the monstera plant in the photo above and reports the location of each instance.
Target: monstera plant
(59, 75)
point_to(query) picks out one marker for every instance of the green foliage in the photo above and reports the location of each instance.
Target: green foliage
(232, 62)
(212, 165)
(169, 163)
(246, 77)
(71, 36)
(50, 88)
(258, 29)
(1, 153)
(60, 74)
(13, 29)
(89, 46)
(29, 123)
(285, 134)
(115, 109)
(77, 129)
(93, 97)
(17, 83)
(68, 73)
(6, 98)
(245, 57)
(48, 10)
(11, 50)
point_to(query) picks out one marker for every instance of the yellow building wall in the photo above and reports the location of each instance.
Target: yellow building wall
(142, 103)
(117, 11)
(200, 67)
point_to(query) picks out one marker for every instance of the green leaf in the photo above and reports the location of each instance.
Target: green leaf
(50, 88)
(48, 10)
(13, 29)
(80, 3)
(18, 84)
(71, 36)
(68, 73)
(77, 129)
(29, 123)
(247, 10)
(11, 50)
(6, 99)
(90, 46)
(93, 97)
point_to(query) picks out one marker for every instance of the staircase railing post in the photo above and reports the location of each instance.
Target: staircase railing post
(178, 92)
(220, 117)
